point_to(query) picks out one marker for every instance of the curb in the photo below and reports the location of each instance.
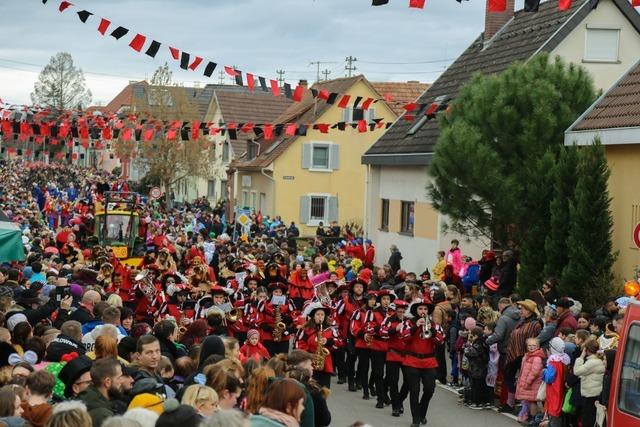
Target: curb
(454, 391)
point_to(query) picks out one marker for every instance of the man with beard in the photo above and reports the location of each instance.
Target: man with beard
(106, 380)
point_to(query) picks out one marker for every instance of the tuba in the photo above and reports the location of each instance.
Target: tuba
(322, 293)
(234, 315)
(425, 334)
(321, 352)
(280, 326)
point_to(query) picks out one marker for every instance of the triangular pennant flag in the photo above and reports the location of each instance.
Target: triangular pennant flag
(175, 53)
(251, 82)
(263, 84)
(104, 24)
(208, 70)
(322, 127)
(531, 5)
(418, 4)
(379, 2)
(275, 89)
(64, 5)
(137, 42)
(119, 32)
(184, 60)
(153, 48)
(84, 15)
(432, 109)
(195, 63)
(564, 4)
(344, 101)
(297, 94)
(287, 91)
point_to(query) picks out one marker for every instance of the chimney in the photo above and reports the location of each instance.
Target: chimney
(494, 21)
(303, 83)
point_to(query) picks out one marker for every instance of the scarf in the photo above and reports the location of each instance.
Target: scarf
(562, 358)
(280, 417)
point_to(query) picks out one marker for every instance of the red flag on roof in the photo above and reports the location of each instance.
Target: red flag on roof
(344, 101)
(230, 71)
(362, 126)
(297, 94)
(564, 4)
(290, 130)
(275, 89)
(268, 132)
(323, 127)
(367, 103)
(251, 81)
(497, 5)
(323, 94)
(635, 3)
(410, 106)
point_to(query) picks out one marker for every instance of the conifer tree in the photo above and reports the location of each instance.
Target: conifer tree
(587, 276)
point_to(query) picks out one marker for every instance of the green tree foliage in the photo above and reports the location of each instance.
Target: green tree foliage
(486, 169)
(564, 184)
(61, 85)
(588, 275)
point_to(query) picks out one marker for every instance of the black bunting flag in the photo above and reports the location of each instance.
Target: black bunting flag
(379, 2)
(208, 70)
(184, 60)
(287, 91)
(263, 84)
(119, 32)
(153, 49)
(238, 77)
(84, 15)
(332, 98)
(356, 102)
(531, 5)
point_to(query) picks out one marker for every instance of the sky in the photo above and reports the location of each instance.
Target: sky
(259, 36)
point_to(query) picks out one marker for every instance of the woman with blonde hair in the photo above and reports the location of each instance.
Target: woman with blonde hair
(115, 300)
(70, 414)
(257, 387)
(202, 398)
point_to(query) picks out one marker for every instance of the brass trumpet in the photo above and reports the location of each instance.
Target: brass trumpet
(234, 315)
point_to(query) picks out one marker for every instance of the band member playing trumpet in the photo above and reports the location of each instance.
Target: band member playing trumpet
(390, 330)
(320, 338)
(379, 345)
(274, 320)
(421, 337)
(363, 339)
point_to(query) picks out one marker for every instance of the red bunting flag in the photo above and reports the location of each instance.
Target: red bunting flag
(268, 132)
(362, 126)
(497, 5)
(290, 130)
(196, 62)
(323, 94)
(247, 127)
(367, 103)
(275, 89)
(410, 106)
(431, 110)
(323, 127)
(104, 24)
(564, 4)
(147, 135)
(344, 101)
(418, 4)
(635, 3)
(64, 5)
(126, 134)
(195, 130)
(171, 134)
(137, 42)
(251, 82)
(106, 132)
(74, 156)
(297, 94)
(175, 53)
(230, 71)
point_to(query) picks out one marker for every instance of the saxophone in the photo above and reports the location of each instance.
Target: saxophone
(321, 352)
(280, 326)
(425, 333)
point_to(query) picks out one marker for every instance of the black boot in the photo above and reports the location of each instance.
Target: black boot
(423, 421)
(380, 405)
(395, 412)
(366, 396)
(342, 380)
(401, 410)
(352, 387)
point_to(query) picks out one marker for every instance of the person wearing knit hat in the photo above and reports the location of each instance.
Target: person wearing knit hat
(557, 363)
(176, 414)
(150, 401)
(13, 318)
(253, 348)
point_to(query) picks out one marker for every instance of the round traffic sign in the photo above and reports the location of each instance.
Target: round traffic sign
(155, 193)
(636, 235)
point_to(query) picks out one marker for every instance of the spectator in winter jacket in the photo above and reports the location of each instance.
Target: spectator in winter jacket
(590, 368)
(554, 376)
(394, 259)
(550, 290)
(253, 348)
(530, 376)
(550, 329)
(477, 354)
(508, 274)
(438, 268)
(566, 318)
(454, 256)
(487, 262)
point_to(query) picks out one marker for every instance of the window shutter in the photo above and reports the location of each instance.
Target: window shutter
(332, 210)
(372, 115)
(305, 209)
(346, 114)
(334, 156)
(306, 156)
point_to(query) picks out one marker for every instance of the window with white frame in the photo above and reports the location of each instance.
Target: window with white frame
(245, 199)
(352, 115)
(320, 156)
(602, 44)
(318, 208)
(211, 188)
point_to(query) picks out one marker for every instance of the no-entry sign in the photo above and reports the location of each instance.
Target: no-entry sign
(636, 235)
(155, 193)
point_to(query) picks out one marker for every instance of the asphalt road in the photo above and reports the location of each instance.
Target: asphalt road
(444, 411)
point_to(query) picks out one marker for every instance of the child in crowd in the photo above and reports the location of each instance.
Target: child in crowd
(492, 366)
(554, 377)
(476, 353)
(590, 368)
(253, 348)
(529, 381)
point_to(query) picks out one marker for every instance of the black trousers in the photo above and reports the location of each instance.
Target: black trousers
(510, 372)
(441, 358)
(392, 381)
(352, 356)
(364, 357)
(420, 405)
(323, 378)
(277, 347)
(377, 373)
(588, 411)
(339, 362)
(479, 391)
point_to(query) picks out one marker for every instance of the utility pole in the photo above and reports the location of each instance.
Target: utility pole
(317, 64)
(221, 75)
(350, 67)
(326, 74)
(280, 77)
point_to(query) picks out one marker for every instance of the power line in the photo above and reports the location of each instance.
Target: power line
(435, 61)
(280, 76)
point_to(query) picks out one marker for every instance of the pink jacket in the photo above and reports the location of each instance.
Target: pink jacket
(530, 375)
(454, 257)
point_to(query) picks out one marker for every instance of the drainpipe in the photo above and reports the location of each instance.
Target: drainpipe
(365, 218)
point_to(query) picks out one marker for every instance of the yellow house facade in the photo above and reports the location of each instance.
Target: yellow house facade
(615, 119)
(316, 177)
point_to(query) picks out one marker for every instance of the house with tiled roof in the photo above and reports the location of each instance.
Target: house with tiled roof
(614, 118)
(601, 36)
(317, 177)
